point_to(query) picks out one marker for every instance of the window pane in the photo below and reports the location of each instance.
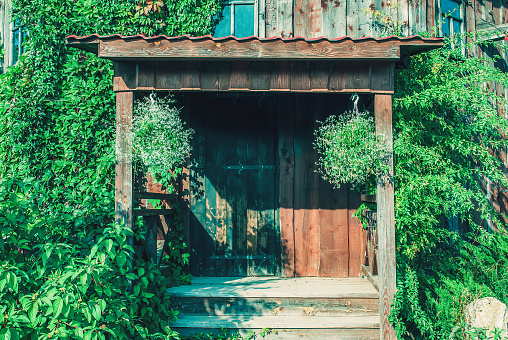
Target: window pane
(446, 27)
(223, 28)
(15, 46)
(450, 7)
(456, 27)
(244, 21)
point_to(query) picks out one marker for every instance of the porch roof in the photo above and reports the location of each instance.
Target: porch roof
(184, 63)
(140, 48)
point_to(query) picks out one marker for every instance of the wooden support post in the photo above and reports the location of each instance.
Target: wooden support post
(385, 217)
(123, 169)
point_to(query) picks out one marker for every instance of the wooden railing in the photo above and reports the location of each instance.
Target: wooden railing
(371, 270)
(157, 221)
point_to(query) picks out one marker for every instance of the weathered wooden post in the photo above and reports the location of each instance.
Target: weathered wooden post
(385, 216)
(123, 169)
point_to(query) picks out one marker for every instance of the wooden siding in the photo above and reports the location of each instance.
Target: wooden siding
(239, 76)
(295, 215)
(355, 18)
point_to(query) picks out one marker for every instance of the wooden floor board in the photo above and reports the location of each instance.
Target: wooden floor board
(277, 287)
(277, 322)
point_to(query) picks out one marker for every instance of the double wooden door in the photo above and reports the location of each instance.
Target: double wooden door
(232, 186)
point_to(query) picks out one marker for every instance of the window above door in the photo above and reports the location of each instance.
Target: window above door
(452, 16)
(239, 18)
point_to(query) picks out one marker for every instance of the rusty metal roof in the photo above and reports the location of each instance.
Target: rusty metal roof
(138, 46)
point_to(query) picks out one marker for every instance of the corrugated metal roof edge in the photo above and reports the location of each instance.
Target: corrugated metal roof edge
(209, 37)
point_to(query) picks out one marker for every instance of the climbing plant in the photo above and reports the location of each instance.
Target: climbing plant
(66, 269)
(449, 133)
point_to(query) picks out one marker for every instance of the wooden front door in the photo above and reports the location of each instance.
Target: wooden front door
(232, 186)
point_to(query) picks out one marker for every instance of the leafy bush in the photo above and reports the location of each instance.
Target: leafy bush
(66, 267)
(84, 286)
(350, 151)
(448, 138)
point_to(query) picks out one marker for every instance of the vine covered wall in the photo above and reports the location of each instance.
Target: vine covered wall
(65, 268)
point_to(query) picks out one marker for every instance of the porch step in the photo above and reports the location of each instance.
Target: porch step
(284, 327)
(298, 308)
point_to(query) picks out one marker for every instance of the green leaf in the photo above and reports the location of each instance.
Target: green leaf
(32, 312)
(120, 259)
(136, 289)
(131, 276)
(107, 291)
(87, 314)
(108, 244)
(57, 307)
(85, 282)
(93, 251)
(96, 312)
(102, 304)
(141, 272)
(6, 335)
(78, 332)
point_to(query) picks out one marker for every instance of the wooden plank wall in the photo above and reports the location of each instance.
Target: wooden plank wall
(316, 234)
(337, 18)
(324, 237)
(240, 76)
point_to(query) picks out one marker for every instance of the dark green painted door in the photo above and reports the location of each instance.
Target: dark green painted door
(232, 186)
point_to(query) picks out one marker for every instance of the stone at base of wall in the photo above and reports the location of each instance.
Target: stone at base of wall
(487, 313)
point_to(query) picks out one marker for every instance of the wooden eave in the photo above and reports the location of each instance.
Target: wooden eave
(205, 63)
(140, 48)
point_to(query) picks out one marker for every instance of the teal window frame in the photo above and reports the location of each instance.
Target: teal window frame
(229, 15)
(452, 20)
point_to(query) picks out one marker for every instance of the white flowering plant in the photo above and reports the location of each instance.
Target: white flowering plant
(349, 150)
(159, 138)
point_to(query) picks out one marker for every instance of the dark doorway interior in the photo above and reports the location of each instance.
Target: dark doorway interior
(257, 205)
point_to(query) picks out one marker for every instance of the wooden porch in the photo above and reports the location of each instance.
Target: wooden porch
(319, 66)
(296, 308)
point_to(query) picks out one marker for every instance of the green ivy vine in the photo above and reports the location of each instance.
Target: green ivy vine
(66, 271)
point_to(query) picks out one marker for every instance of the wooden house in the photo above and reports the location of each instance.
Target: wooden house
(253, 204)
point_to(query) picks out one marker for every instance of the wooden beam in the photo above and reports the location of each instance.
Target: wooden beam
(385, 217)
(265, 76)
(254, 50)
(153, 212)
(123, 169)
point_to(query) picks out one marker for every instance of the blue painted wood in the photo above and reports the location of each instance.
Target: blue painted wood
(244, 20)
(223, 28)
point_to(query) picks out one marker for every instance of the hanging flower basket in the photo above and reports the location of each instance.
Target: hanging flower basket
(159, 138)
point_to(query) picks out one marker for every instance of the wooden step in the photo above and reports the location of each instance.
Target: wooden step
(297, 308)
(272, 287)
(276, 306)
(283, 327)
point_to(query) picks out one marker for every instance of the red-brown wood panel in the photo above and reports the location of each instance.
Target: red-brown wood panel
(169, 75)
(280, 76)
(333, 224)
(300, 75)
(286, 161)
(357, 237)
(190, 74)
(306, 195)
(239, 76)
